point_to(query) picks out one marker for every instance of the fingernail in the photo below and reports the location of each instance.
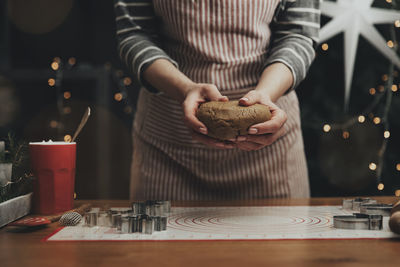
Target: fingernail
(203, 130)
(241, 138)
(244, 99)
(253, 131)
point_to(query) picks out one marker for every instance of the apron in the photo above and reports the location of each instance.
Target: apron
(225, 43)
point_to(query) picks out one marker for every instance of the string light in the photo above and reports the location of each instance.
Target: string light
(324, 46)
(385, 96)
(51, 82)
(127, 81)
(67, 95)
(67, 110)
(119, 73)
(67, 138)
(397, 193)
(107, 66)
(372, 91)
(381, 186)
(128, 109)
(54, 65)
(53, 124)
(386, 134)
(71, 61)
(361, 118)
(118, 97)
(372, 166)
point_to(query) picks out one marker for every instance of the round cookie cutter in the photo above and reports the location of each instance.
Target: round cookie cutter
(358, 221)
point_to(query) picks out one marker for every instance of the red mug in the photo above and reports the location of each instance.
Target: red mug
(53, 165)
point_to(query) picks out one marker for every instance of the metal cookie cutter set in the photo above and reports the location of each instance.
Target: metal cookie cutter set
(355, 204)
(143, 217)
(369, 217)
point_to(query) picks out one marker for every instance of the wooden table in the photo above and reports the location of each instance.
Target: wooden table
(27, 249)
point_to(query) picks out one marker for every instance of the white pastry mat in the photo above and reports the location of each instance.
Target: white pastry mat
(236, 223)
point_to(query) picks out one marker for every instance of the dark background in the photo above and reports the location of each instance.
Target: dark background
(33, 33)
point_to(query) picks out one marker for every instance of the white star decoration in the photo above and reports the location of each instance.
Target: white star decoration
(355, 17)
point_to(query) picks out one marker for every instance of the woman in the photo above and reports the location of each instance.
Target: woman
(185, 52)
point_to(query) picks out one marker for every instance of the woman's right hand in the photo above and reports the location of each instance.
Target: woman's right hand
(196, 94)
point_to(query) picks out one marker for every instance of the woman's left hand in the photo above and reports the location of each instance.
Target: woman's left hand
(265, 133)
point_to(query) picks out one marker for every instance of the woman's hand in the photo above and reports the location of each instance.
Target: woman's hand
(196, 94)
(262, 134)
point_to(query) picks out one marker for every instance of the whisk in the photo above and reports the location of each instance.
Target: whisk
(73, 217)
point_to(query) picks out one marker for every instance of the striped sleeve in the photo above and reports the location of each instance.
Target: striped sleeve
(295, 31)
(138, 42)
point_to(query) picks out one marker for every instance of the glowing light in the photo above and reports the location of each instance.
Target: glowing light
(67, 110)
(57, 60)
(372, 166)
(128, 109)
(385, 77)
(118, 97)
(325, 46)
(119, 73)
(345, 135)
(67, 138)
(74, 195)
(53, 124)
(107, 65)
(381, 186)
(397, 23)
(389, 1)
(127, 81)
(394, 88)
(72, 61)
(397, 193)
(326, 128)
(390, 43)
(361, 118)
(381, 88)
(51, 82)
(398, 167)
(377, 120)
(67, 95)
(386, 134)
(54, 65)
(372, 91)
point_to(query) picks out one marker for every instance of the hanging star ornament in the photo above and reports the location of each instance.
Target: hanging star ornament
(355, 18)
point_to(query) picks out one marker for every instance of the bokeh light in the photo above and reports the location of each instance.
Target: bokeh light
(38, 16)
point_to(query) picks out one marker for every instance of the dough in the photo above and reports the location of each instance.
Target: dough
(227, 120)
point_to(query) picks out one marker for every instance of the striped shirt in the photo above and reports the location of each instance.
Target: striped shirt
(294, 29)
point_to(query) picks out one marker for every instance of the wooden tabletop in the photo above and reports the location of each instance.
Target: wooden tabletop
(27, 248)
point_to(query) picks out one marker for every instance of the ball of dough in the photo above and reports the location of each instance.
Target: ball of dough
(227, 120)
